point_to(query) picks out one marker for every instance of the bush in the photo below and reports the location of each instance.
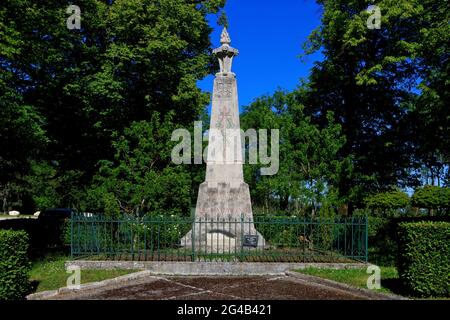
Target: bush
(424, 255)
(387, 200)
(382, 244)
(14, 265)
(432, 197)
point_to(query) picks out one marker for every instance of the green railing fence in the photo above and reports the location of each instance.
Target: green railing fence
(261, 239)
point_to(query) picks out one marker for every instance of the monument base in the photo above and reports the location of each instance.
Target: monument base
(223, 220)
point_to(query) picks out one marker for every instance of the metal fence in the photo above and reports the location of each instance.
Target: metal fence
(261, 239)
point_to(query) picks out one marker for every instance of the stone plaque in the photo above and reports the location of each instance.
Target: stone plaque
(250, 241)
(224, 88)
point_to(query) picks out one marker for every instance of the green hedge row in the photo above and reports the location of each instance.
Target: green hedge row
(14, 264)
(424, 258)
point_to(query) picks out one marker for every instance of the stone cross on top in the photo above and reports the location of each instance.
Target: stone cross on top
(225, 53)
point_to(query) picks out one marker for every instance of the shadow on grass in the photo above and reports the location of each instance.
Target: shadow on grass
(33, 285)
(41, 254)
(395, 286)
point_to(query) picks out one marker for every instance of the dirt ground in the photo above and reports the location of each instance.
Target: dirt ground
(222, 288)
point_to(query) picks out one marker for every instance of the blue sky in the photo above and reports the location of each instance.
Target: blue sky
(269, 35)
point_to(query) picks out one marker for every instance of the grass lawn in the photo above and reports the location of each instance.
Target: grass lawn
(50, 274)
(358, 277)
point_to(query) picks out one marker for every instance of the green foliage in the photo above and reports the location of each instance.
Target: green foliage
(367, 79)
(66, 232)
(112, 207)
(326, 230)
(431, 114)
(67, 94)
(382, 245)
(424, 252)
(308, 156)
(223, 19)
(432, 197)
(14, 265)
(387, 200)
(51, 188)
(280, 231)
(166, 235)
(382, 235)
(127, 234)
(142, 179)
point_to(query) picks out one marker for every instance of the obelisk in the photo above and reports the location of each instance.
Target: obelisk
(223, 212)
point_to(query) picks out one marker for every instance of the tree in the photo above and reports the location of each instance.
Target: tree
(308, 161)
(141, 179)
(432, 198)
(367, 78)
(389, 200)
(77, 89)
(430, 114)
(21, 138)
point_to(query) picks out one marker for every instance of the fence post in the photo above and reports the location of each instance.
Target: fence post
(304, 238)
(242, 237)
(71, 235)
(132, 240)
(158, 238)
(353, 238)
(145, 237)
(193, 240)
(367, 238)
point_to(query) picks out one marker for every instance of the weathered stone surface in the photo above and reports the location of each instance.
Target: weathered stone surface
(223, 211)
(209, 268)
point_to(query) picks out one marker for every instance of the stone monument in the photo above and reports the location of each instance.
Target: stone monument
(223, 214)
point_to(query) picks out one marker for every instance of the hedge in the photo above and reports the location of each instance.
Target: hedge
(14, 264)
(424, 256)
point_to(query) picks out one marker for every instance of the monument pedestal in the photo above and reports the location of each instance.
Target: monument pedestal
(223, 218)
